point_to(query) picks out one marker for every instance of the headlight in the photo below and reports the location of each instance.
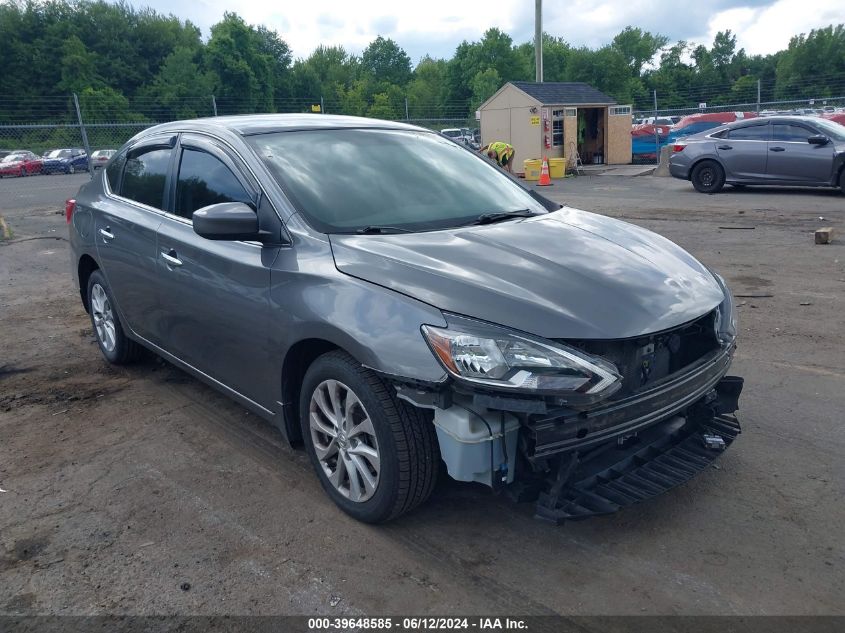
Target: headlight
(725, 323)
(499, 358)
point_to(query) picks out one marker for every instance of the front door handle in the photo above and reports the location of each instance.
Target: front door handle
(107, 235)
(724, 147)
(777, 149)
(171, 258)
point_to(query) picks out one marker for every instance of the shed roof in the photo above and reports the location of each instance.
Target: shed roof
(563, 93)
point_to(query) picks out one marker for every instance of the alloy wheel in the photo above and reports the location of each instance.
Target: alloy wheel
(101, 311)
(71, 170)
(344, 440)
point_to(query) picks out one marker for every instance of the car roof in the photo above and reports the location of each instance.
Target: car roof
(780, 118)
(248, 124)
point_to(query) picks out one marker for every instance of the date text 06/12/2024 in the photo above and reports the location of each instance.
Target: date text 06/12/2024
(416, 624)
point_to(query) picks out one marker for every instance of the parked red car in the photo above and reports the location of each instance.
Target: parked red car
(20, 164)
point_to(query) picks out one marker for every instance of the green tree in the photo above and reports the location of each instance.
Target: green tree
(812, 65)
(78, 67)
(428, 91)
(235, 53)
(386, 63)
(484, 84)
(182, 89)
(638, 47)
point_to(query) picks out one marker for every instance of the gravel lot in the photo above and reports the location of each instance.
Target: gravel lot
(123, 484)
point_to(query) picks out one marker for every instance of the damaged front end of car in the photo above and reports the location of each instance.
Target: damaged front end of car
(583, 427)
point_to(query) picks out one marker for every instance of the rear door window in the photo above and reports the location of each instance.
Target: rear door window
(749, 133)
(145, 174)
(205, 180)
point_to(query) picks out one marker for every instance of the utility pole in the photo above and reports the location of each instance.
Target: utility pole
(758, 96)
(538, 40)
(84, 134)
(214, 105)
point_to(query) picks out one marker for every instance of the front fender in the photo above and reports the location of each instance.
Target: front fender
(377, 326)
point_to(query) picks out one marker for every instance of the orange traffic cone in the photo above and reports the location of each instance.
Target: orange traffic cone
(545, 180)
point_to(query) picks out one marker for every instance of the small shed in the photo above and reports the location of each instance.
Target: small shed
(556, 119)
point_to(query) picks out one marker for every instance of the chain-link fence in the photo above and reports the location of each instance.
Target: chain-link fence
(94, 123)
(54, 122)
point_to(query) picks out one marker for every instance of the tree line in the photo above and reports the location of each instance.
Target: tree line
(131, 64)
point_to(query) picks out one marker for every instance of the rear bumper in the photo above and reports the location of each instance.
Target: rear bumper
(678, 170)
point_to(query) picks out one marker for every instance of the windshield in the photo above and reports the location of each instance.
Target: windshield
(59, 153)
(12, 158)
(346, 180)
(833, 129)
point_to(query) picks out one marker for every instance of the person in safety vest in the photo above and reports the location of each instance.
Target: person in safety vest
(501, 152)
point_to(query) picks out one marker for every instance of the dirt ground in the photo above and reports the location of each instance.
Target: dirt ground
(141, 491)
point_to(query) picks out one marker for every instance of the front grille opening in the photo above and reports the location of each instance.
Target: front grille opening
(645, 360)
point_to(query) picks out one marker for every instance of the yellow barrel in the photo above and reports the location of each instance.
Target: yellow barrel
(532, 167)
(557, 167)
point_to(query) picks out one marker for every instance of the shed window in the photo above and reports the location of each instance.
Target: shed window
(621, 110)
(557, 128)
(557, 132)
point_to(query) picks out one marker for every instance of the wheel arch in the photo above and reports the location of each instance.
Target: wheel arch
(85, 267)
(701, 159)
(298, 359)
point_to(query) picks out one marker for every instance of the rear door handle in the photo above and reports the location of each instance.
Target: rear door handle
(171, 258)
(724, 147)
(777, 149)
(107, 235)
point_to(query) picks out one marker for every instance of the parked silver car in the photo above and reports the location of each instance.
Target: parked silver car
(393, 300)
(794, 150)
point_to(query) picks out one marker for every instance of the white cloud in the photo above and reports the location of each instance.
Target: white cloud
(438, 26)
(765, 30)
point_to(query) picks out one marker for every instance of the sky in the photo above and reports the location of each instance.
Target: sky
(436, 27)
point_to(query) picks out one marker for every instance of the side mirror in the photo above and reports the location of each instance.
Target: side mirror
(226, 221)
(818, 139)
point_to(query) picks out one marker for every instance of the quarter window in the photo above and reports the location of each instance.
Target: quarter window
(205, 180)
(787, 132)
(114, 170)
(749, 133)
(145, 174)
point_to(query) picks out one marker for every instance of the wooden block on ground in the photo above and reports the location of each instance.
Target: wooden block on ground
(824, 236)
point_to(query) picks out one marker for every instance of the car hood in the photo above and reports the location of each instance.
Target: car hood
(566, 274)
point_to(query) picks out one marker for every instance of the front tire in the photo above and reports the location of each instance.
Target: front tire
(376, 456)
(708, 177)
(117, 348)
(71, 169)
(842, 180)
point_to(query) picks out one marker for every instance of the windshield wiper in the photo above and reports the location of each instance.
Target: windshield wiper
(498, 216)
(369, 230)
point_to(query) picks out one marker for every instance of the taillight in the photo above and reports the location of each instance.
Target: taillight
(678, 147)
(70, 207)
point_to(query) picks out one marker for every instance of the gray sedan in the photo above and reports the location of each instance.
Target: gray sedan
(392, 301)
(795, 150)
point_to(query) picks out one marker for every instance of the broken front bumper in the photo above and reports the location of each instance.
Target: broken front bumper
(665, 456)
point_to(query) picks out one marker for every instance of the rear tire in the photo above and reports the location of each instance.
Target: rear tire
(708, 177)
(117, 348)
(842, 180)
(71, 169)
(402, 471)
